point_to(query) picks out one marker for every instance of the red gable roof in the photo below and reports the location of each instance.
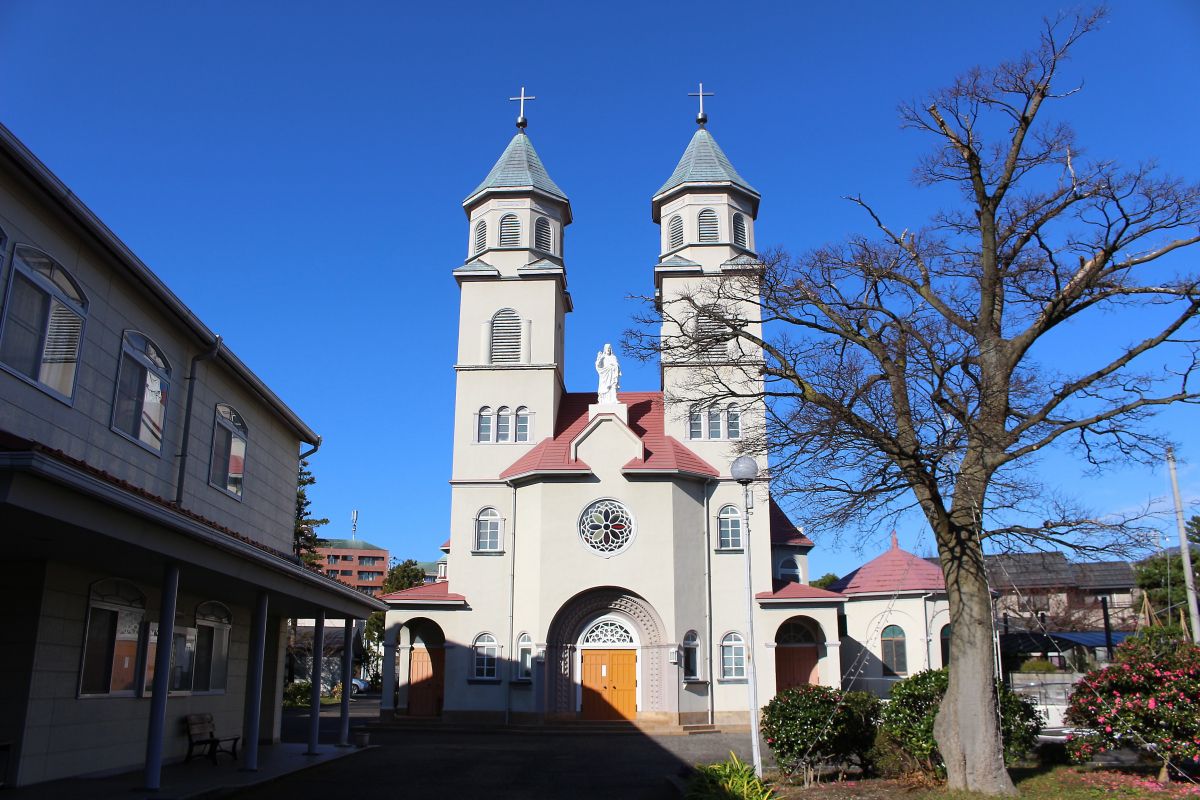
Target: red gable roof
(895, 571)
(783, 530)
(427, 592)
(663, 453)
(790, 590)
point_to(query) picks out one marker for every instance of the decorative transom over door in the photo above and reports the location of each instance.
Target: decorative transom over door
(609, 684)
(426, 678)
(795, 666)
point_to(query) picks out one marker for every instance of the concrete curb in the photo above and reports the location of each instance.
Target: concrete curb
(226, 791)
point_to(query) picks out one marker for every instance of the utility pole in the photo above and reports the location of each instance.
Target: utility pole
(1185, 551)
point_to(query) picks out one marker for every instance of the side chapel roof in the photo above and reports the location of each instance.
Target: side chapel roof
(895, 571)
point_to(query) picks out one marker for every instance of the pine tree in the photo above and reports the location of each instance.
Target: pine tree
(305, 534)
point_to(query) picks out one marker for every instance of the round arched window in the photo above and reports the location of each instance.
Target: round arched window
(606, 527)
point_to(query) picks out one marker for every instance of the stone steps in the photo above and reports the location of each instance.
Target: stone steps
(581, 727)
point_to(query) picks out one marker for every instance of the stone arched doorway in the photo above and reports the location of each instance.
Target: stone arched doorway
(569, 639)
(797, 652)
(424, 643)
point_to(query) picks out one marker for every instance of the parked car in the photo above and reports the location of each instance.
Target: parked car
(358, 685)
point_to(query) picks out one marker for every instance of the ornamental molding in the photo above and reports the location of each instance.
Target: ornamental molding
(606, 527)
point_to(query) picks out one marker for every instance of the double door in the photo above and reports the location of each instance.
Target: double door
(609, 684)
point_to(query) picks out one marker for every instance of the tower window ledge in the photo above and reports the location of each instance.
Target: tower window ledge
(728, 550)
(487, 552)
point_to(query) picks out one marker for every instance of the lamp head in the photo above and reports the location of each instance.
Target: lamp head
(743, 469)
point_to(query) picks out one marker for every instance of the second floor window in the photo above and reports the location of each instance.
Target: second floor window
(228, 466)
(487, 530)
(42, 330)
(143, 382)
(729, 526)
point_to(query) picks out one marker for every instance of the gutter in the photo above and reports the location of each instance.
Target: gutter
(187, 418)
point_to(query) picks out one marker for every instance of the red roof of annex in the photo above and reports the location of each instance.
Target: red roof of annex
(895, 571)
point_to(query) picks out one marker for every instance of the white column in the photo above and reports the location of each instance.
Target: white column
(387, 702)
(314, 714)
(527, 343)
(152, 776)
(254, 681)
(347, 686)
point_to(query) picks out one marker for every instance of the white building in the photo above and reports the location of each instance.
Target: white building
(597, 559)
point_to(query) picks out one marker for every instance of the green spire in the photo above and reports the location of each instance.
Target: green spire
(705, 162)
(519, 167)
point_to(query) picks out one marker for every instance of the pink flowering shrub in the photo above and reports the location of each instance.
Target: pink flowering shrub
(1150, 695)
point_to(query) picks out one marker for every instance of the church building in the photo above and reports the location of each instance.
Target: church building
(597, 560)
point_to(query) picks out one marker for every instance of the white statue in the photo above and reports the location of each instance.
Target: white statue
(609, 370)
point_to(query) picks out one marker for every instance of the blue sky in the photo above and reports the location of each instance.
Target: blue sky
(294, 171)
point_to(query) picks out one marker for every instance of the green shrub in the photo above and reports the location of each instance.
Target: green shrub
(810, 725)
(297, 694)
(729, 780)
(907, 722)
(1037, 665)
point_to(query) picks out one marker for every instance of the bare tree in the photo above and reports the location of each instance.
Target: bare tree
(900, 368)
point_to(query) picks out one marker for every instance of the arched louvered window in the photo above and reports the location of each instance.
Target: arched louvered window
(521, 432)
(675, 231)
(894, 651)
(708, 225)
(510, 231)
(503, 424)
(789, 570)
(711, 339)
(480, 236)
(739, 230)
(483, 425)
(543, 239)
(506, 337)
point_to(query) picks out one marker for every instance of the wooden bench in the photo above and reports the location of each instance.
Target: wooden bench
(203, 734)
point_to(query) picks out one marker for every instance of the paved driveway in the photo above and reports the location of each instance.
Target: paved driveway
(501, 764)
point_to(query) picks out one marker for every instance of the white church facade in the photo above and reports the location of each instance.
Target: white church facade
(597, 560)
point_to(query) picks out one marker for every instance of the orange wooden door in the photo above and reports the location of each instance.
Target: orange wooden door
(425, 680)
(795, 666)
(609, 684)
(622, 683)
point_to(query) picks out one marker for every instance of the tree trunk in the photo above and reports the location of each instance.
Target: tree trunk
(967, 727)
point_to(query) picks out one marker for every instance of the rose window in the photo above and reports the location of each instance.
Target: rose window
(606, 526)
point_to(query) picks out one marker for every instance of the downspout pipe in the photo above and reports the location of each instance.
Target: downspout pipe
(187, 417)
(708, 602)
(512, 590)
(316, 446)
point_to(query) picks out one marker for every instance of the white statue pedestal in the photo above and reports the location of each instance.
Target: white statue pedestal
(618, 410)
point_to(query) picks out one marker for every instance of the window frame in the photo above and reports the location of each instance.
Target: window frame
(104, 602)
(221, 628)
(733, 420)
(733, 642)
(522, 418)
(696, 425)
(793, 575)
(522, 671)
(482, 660)
(890, 647)
(731, 522)
(504, 425)
(483, 419)
(492, 515)
(690, 649)
(51, 292)
(150, 636)
(219, 421)
(147, 366)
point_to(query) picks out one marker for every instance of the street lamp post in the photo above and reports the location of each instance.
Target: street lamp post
(744, 470)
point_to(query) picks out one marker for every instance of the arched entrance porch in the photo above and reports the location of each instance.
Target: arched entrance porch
(798, 650)
(421, 668)
(605, 654)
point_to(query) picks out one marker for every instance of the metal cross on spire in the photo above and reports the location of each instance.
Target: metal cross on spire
(701, 118)
(521, 121)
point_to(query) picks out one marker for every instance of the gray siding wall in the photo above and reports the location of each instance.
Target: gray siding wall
(83, 429)
(66, 735)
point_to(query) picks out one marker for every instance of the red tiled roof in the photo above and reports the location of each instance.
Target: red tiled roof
(426, 592)
(790, 590)
(783, 530)
(445, 546)
(662, 452)
(895, 571)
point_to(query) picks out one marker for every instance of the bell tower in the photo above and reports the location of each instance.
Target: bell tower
(513, 301)
(706, 276)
